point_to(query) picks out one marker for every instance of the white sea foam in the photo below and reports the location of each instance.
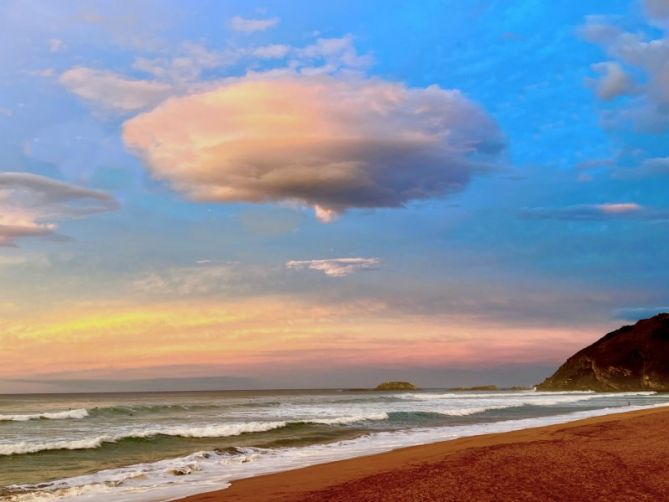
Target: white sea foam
(463, 412)
(209, 431)
(205, 431)
(464, 404)
(204, 471)
(580, 394)
(314, 410)
(447, 404)
(23, 447)
(459, 408)
(49, 415)
(202, 431)
(351, 419)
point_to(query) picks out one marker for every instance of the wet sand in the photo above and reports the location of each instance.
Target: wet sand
(620, 457)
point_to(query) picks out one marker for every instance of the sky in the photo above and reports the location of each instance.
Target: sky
(258, 194)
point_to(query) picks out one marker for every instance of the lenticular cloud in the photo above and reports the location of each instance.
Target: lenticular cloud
(326, 142)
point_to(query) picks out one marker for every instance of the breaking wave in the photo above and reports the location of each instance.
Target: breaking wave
(204, 431)
(50, 415)
(208, 431)
(207, 470)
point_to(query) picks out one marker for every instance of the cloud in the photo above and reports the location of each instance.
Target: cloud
(10, 261)
(207, 277)
(10, 233)
(651, 167)
(328, 142)
(180, 72)
(23, 259)
(649, 111)
(31, 204)
(272, 51)
(113, 92)
(204, 277)
(246, 25)
(657, 165)
(336, 267)
(328, 55)
(614, 81)
(657, 11)
(186, 66)
(608, 211)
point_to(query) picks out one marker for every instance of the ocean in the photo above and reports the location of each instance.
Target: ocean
(144, 447)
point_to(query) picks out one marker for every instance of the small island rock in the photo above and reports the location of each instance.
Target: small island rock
(396, 386)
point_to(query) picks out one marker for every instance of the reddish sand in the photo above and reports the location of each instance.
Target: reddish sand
(613, 458)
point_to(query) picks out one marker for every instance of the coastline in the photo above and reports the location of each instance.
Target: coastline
(621, 456)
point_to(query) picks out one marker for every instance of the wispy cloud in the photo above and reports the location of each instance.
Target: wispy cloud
(111, 91)
(633, 54)
(649, 168)
(248, 25)
(203, 277)
(180, 71)
(336, 267)
(30, 205)
(185, 64)
(657, 11)
(607, 211)
(657, 165)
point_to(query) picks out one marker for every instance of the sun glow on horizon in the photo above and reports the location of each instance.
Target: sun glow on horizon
(243, 336)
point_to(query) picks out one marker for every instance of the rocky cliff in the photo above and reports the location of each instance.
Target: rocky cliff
(630, 358)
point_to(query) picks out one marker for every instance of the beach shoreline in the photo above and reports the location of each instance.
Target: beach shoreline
(619, 456)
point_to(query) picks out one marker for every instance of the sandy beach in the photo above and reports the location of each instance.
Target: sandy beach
(622, 456)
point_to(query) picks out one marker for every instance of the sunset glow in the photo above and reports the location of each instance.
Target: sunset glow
(247, 191)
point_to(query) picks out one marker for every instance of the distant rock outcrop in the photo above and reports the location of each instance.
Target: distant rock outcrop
(396, 386)
(630, 358)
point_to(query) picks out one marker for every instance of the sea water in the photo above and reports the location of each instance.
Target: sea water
(160, 446)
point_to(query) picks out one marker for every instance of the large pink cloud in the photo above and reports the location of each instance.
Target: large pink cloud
(332, 143)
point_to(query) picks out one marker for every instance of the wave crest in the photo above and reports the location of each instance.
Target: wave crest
(208, 431)
(50, 415)
(204, 431)
(345, 420)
